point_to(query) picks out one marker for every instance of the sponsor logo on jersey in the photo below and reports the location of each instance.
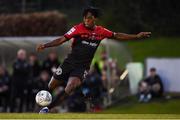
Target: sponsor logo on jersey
(89, 43)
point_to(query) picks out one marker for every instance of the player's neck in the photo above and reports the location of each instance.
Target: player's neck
(90, 28)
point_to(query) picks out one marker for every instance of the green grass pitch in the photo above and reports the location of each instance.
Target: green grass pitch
(125, 109)
(87, 116)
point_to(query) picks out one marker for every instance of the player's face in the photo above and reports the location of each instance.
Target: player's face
(21, 55)
(89, 20)
(152, 73)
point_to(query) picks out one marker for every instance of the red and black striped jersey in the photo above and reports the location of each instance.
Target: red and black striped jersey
(85, 43)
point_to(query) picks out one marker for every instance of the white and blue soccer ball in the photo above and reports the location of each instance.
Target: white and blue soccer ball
(43, 98)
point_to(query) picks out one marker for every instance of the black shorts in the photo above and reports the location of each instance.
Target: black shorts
(66, 70)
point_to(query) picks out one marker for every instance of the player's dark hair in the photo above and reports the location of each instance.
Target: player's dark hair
(96, 12)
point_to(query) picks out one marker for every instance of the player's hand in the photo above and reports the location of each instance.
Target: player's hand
(40, 47)
(143, 35)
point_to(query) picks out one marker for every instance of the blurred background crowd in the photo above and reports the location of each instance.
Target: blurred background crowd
(30, 75)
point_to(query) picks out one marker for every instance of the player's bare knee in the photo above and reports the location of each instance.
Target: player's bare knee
(71, 86)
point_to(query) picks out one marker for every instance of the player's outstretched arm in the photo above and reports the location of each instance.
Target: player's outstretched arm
(123, 36)
(53, 43)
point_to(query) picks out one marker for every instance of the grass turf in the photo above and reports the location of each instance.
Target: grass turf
(130, 105)
(128, 108)
(88, 116)
(154, 47)
(139, 50)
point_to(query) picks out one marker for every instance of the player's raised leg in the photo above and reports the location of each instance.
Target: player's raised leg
(72, 84)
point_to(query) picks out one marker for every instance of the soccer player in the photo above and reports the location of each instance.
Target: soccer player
(86, 38)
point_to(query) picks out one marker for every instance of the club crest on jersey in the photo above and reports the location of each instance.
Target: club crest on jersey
(58, 71)
(93, 36)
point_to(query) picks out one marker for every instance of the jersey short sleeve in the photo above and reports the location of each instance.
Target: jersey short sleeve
(71, 33)
(107, 33)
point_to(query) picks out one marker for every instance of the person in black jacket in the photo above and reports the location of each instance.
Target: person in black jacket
(51, 63)
(19, 81)
(40, 83)
(151, 86)
(4, 88)
(35, 69)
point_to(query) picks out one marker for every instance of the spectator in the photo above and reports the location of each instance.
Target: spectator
(93, 89)
(19, 82)
(35, 70)
(110, 69)
(76, 102)
(104, 64)
(35, 67)
(115, 73)
(150, 87)
(4, 88)
(51, 63)
(42, 82)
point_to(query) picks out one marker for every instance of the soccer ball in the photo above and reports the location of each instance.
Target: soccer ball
(43, 98)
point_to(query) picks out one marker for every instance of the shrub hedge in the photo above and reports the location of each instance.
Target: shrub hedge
(33, 24)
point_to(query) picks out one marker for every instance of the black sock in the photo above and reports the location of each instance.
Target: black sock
(58, 99)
